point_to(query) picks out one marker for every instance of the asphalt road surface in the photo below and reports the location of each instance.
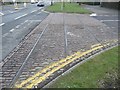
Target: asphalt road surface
(106, 16)
(58, 36)
(16, 24)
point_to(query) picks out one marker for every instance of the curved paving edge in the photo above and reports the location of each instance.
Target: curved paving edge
(74, 66)
(56, 69)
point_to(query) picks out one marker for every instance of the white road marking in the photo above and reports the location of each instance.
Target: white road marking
(5, 35)
(34, 11)
(17, 26)
(39, 13)
(26, 21)
(93, 14)
(29, 23)
(1, 14)
(12, 30)
(12, 11)
(2, 24)
(20, 16)
(45, 11)
(107, 15)
(113, 27)
(109, 20)
(35, 20)
(21, 24)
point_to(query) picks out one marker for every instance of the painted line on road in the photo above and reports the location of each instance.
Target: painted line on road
(1, 14)
(24, 27)
(21, 24)
(35, 79)
(113, 27)
(17, 26)
(2, 24)
(33, 11)
(107, 15)
(21, 16)
(44, 11)
(109, 20)
(29, 23)
(5, 35)
(35, 20)
(51, 68)
(39, 13)
(12, 30)
(13, 11)
(25, 21)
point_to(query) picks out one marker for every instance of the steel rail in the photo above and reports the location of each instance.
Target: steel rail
(26, 59)
(65, 35)
(58, 65)
(91, 33)
(36, 79)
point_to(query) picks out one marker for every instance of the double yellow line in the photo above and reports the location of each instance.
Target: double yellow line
(38, 78)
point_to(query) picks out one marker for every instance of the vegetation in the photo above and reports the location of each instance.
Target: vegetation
(100, 71)
(67, 7)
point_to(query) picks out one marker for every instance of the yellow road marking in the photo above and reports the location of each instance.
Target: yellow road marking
(45, 69)
(35, 79)
(40, 79)
(95, 45)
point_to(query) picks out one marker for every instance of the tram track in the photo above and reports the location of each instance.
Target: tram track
(54, 70)
(40, 61)
(50, 72)
(49, 34)
(65, 35)
(16, 61)
(26, 59)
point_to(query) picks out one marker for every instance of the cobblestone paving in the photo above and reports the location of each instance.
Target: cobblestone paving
(65, 32)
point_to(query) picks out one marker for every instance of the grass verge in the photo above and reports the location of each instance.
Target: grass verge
(91, 73)
(68, 8)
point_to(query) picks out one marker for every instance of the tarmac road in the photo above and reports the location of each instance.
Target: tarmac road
(16, 24)
(106, 16)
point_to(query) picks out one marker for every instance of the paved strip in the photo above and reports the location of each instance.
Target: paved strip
(45, 69)
(21, 16)
(37, 78)
(107, 15)
(29, 55)
(2, 24)
(34, 80)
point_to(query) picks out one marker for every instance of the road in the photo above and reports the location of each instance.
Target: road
(106, 16)
(59, 36)
(16, 24)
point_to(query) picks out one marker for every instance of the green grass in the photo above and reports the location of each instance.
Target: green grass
(69, 8)
(88, 74)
